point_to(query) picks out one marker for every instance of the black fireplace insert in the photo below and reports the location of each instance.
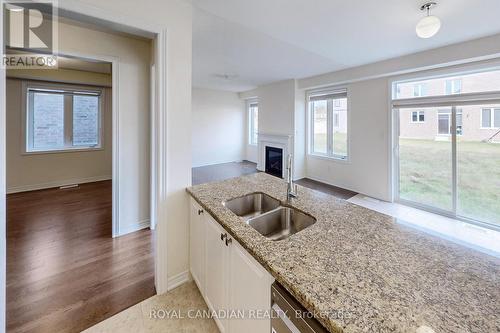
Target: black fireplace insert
(274, 161)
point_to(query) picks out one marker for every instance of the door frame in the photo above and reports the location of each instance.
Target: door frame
(453, 103)
(159, 136)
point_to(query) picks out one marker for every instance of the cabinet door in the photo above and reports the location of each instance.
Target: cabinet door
(215, 269)
(249, 290)
(197, 245)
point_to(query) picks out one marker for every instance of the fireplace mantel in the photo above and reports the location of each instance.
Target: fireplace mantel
(282, 141)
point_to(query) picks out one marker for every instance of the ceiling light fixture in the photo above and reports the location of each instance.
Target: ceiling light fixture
(429, 25)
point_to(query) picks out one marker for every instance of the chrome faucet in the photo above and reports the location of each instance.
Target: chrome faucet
(291, 189)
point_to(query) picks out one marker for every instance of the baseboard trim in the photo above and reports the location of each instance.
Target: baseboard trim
(177, 280)
(135, 227)
(59, 183)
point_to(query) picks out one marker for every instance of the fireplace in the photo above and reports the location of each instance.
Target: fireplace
(274, 161)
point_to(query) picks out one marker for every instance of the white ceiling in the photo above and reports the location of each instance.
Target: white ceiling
(262, 41)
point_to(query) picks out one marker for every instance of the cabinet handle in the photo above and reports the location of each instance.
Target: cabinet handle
(228, 241)
(200, 211)
(223, 236)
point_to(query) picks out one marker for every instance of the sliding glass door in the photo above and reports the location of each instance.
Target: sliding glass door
(448, 160)
(478, 163)
(446, 139)
(426, 157)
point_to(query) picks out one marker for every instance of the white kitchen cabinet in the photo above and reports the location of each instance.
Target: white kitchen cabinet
(250, 291)
(229, 279)
(216, 268)
(197, 245)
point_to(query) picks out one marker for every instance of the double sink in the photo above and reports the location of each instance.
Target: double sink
(266, 215)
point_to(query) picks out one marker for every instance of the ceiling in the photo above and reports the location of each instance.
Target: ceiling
(260, 41)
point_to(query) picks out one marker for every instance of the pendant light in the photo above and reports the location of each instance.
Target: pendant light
(429, 25)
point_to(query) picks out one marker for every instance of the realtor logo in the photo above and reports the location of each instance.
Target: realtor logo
(30, 34)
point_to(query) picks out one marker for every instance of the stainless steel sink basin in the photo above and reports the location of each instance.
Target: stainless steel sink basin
(252, 205)
(281, 223)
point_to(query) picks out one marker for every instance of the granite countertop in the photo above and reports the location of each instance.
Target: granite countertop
(361, 271)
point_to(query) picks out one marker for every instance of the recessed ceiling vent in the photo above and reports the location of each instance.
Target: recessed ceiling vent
(227, 77)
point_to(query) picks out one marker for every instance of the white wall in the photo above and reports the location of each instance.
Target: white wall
(276, 105)
(299, 138)
(218, 130)
(367, 169)
(276, 111)
(36, 171)
(281, 111)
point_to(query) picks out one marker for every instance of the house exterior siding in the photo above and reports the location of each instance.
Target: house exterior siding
(438, 119)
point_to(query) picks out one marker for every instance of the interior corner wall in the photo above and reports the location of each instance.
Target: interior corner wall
(276, 107)
(276, 111)
(27, 172)
(218, 127)
(369, 135)
(299, 136)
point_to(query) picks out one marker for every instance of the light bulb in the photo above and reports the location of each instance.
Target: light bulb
(428, 26)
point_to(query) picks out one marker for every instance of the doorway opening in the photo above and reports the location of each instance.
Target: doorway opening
(78, 154)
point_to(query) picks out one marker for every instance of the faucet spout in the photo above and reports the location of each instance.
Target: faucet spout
(291, 189)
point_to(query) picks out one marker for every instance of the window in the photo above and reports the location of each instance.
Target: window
(467, 83)
(453, 86)
(418, 116)
(253, 121)
(444, 122)
(61, 119)
(490, 118)
(419, 90)
(328, 124)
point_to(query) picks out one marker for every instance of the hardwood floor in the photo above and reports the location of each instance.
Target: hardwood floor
(64, 271)
(217, 172)
(223, 171)
(325, 188)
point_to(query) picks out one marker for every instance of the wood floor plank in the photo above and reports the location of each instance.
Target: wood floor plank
(64, 271)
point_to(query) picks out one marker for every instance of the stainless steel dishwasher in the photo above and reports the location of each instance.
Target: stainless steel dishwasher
(288, 316)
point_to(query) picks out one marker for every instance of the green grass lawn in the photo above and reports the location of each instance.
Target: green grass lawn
(339, 143)
(425, 176)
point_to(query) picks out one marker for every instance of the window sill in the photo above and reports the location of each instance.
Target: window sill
(330, 158)
(62, 151)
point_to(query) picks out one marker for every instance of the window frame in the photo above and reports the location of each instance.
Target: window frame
(69, 90)
(421, 87)
(472, 98)
(418, 121)
(251, 103)
(452, 85)
(492, 118)
(340, 90)
(450, 120)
